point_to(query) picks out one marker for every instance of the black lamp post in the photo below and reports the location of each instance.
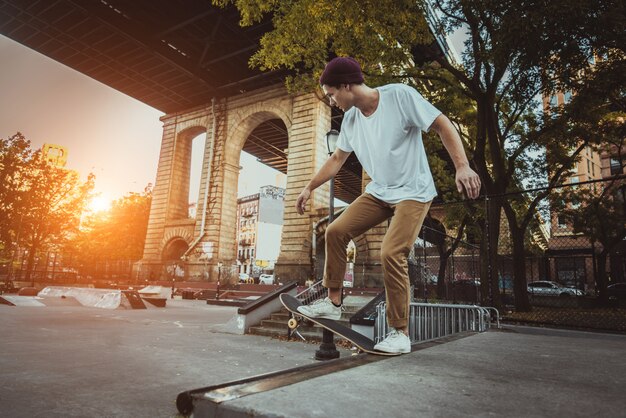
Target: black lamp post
(328, 350)
(219, 277)
(331, 143)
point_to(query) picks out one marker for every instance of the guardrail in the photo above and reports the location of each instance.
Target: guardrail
(429, 321)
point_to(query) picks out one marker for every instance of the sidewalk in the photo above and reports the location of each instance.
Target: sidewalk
(76, 362)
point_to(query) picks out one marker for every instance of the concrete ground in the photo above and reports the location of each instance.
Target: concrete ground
(72, 361)
(75, 361)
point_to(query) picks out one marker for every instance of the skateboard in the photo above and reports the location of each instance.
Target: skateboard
(361, 341)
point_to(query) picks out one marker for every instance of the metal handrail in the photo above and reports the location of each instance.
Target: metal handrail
(312, 293)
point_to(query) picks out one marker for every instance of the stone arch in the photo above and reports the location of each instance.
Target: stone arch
(190, 132)
(306, 120)
(241, 125)
(175, 235)
(244, 123)
(174, 249)
(178, 196)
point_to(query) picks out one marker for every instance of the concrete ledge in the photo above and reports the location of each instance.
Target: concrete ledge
(518, 373)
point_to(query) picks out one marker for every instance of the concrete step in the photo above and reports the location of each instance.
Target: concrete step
(277, 333)
(276, 325)
(284, 316)
(281, 316)
(280, 324)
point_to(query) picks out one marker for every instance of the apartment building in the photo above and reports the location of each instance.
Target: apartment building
(259, 229)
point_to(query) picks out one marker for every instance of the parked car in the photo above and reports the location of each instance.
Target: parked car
(266, 279)
(8, 287)
(546, 288)
(244, 278)
(616, 291)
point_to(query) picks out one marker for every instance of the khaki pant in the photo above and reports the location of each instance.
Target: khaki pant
(365, 213)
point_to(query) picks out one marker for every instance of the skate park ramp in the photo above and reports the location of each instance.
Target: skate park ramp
(155, 292)
(155, 295)
(14, 300)
(95, 298)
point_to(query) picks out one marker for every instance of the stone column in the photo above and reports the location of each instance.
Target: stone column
(307, 153)
(160, 193)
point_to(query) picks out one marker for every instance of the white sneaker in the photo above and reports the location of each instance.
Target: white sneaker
(395, 342)
(321, 308)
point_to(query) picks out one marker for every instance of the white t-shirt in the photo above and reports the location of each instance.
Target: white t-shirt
(388, 143)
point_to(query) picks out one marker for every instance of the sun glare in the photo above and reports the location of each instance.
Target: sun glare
(99, 204)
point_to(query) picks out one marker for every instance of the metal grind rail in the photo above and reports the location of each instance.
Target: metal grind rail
(312, 293)
(430, 321)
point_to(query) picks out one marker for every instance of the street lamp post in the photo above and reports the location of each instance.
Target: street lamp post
(219, 277)
(328, 350)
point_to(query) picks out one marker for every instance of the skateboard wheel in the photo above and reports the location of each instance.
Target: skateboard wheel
(292, 323)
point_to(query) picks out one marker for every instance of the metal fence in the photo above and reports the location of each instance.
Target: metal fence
(52, 267)
(565, 268)
(428, 321)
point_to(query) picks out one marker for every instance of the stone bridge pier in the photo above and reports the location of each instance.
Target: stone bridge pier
(205, 246)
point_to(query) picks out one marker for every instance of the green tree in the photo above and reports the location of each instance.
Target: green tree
(118, 234)
(514, 52)
(599, 211)
(50, 205)
(15, 158)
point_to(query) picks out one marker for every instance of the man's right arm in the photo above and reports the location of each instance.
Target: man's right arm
(330, 168)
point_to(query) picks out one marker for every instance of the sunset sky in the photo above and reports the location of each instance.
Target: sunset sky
(106, 132)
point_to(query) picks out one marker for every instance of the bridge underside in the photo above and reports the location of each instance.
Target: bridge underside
(172, 55)
(180, 56)
(169, 54)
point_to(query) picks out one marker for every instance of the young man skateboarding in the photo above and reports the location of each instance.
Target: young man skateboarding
(383, 127)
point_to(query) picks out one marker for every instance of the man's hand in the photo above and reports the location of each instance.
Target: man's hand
(467, 180)
(301, 201)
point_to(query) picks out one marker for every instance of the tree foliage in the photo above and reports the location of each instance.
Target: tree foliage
(598, 211)
(42, 203)
(307, 32)
(15, 157)
(118, 234)
(514, 53)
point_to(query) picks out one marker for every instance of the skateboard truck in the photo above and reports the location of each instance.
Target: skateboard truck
(361, 341)
(293, 325)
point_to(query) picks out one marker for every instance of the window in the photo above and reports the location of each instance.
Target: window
(567, 96)
(616, 166)
(553, 101)
(561, 222)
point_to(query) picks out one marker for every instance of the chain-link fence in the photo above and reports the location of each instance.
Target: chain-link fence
(563, 262)
(60, 268)
(565, 266)
(64, 268)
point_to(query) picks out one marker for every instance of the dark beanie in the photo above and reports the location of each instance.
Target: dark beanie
(342, 70)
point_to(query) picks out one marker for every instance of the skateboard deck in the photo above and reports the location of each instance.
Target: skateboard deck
(359, 340)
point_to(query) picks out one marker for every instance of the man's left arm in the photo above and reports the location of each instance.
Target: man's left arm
(466, 178)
